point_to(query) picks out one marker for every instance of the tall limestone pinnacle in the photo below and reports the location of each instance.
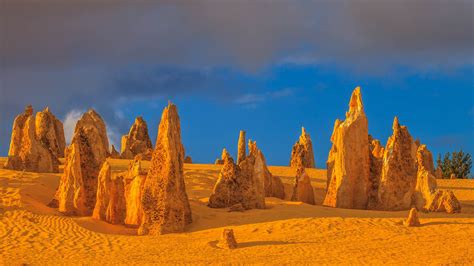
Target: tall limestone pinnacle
(399, 170)
(165, 203)
(89, 148)
(348, 161)
(241, 149)
(302, 152)
(36, 142)
(137, 141)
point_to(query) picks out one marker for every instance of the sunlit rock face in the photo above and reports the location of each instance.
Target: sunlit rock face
(165, 203)
(348, 161)
(399, 170)
(36, 143)
(50, 131)
(302, 190)
(302, 152)
(110, 200)
(87, 152)
(241, 148)
(134, 184)
(137, 141)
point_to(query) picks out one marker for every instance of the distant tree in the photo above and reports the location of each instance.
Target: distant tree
(457, 163)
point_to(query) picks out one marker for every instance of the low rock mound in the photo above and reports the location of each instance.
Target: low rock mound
(228, 239)
(412, 219)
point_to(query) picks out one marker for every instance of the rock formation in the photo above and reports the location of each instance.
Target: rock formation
(444, 200)
(35, 143)
(50, 132)
(302, 190)
(399, 170)
(114, 154)
(425, 180)
(77, 190)
(302, 152)
(439, 172)
(221, 160)
(134, 183)
(376, 161)
(412, 219)
(137, 141)
(188, 159)
(272, 184)
(218, 161)
(243, 183)
(228, 239)
(349, 162)
(165, 202)
(241, 149)
(110, 200)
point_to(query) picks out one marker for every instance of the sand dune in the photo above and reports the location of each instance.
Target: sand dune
(285, 232)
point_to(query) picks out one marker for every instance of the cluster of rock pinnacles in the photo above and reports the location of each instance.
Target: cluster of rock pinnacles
(362, 174)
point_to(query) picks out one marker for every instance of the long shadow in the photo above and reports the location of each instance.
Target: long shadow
(438, 223)
(456, 188)
(215, 243)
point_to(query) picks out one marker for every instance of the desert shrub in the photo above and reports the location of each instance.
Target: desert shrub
(457, 163)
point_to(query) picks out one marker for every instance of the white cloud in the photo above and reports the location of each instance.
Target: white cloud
(70, 121)
(252, 99)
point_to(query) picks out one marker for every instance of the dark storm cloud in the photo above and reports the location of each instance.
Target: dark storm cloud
(75, 54)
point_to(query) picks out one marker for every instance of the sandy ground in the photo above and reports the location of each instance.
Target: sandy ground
(284, 233)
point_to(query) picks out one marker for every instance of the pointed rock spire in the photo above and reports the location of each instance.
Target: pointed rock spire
(165, 202)
(302, 152)
(348, 161)
(137, 141)
(241, 149)
(34, 146)
(89, 149)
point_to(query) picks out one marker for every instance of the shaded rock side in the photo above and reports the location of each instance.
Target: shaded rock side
(444, 201)
(348, 161)
(134, 184)
(110, 200)
(376, 162)
(165, 203)
(241, 148)
(399, 171)
(302, 190)
(188, 159)
(137, 141)
(302, 152)
(114, 154)
(77, 190)
(243, 183)
(50, 131)
(27, 152)
(426, 181)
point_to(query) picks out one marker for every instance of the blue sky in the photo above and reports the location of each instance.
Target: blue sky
(265, 68)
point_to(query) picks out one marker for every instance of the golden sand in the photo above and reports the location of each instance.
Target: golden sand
(285, 232)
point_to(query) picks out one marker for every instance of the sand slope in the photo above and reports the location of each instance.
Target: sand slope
(286, 232)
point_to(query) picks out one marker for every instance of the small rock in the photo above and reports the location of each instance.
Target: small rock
(412, 219)
(228, 239)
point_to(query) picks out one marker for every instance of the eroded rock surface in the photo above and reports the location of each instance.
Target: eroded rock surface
(399, 170)
(302, 152)
(33, 146)
(134, 184)
(137, 141)
(349, 162)
(165, 203)
(302, 190)
(77, 190)
(114, 154)
(412, 219)
(241, 148)
(110, 200)
(50, 131)
(188, 159)
(228, 239)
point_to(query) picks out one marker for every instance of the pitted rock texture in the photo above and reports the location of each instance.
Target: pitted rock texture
(302, 152)
(164, 200)
(137, 141)
(89, 147)
(349, 162)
